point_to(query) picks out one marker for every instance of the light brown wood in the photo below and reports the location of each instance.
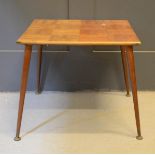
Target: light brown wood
(79, 32)
(131, 62)
(26, 64)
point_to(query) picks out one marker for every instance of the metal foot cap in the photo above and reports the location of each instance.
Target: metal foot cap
(37, 92)
(139, 137)
(128, 95)
(17, 139)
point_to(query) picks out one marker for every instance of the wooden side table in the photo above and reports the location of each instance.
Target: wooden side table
(80, 32)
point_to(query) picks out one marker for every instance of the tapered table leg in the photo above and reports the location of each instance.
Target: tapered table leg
(40, 48)
(125, 69)
(134, 88)
(26, 64)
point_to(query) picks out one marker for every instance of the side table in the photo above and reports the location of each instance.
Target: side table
(80, 33)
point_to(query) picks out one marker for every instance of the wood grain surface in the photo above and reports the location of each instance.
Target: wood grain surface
(79, 32)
